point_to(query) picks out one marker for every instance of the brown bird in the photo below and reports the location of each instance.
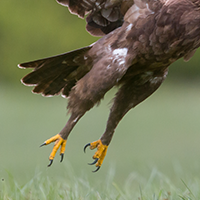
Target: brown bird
(141, 38)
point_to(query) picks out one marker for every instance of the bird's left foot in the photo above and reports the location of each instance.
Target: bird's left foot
(59, 142)
(100, 153)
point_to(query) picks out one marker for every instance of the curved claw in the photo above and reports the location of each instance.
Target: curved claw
(85, 147)
(61, 157)
(97, 169)
(51, 161)
(43, 144)
(95, 161)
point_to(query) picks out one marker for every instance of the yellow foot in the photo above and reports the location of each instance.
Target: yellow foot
(59, 141)
(100, 153)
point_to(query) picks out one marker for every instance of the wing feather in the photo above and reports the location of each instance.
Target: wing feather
(103, 16)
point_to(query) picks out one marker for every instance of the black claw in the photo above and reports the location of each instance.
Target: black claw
(61, 157)
(87, 145)
(97, 169)
(43, 144)
(95, 161)
(51, 161)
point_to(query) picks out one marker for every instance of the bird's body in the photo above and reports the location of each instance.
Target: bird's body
(141, 41)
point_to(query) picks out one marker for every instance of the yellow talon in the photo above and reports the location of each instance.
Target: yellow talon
(59, 142)
(62, 148)
(100, 153)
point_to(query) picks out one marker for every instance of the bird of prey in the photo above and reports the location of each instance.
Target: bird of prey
(140, 39)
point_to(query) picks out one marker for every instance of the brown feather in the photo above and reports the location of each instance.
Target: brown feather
(53, 74)
(143, 38)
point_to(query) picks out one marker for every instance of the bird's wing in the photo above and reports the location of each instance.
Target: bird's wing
(103, 16)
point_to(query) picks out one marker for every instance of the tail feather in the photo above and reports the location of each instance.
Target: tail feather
(52, 85)
(55, 74)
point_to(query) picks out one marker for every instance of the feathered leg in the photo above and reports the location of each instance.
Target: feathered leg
(129, 95)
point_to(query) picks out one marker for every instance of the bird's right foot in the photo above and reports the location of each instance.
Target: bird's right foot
(59, 142)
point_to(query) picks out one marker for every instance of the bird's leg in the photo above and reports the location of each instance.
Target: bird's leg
(61, 138)
(118, 110)
(129, 95)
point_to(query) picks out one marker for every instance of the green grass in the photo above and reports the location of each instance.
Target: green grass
(154, 155)
(156, 187)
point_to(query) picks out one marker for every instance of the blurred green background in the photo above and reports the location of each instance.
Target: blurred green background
(162, 132)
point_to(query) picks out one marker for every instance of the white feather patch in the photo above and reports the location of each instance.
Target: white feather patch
(120, 55)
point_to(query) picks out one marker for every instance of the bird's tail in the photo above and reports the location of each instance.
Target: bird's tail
(56, 74)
